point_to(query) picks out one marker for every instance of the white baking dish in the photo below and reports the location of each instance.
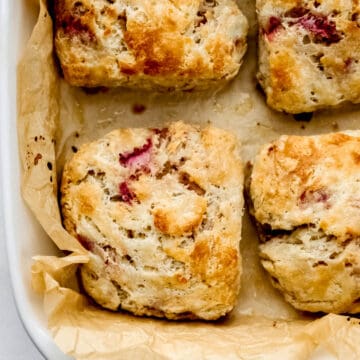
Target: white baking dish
(24, 237)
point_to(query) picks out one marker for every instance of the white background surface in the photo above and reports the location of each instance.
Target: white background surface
(14, 342)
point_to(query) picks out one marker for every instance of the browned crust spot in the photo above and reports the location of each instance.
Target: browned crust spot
(155, 51)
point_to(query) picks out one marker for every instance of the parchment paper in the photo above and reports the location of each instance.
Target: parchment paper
(54, 119)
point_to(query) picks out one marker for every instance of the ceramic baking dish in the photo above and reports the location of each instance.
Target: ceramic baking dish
(24, 236)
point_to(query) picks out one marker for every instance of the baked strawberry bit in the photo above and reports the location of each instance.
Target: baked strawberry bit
(139, 157)
(314, 196)
(85, 242)
(74, 27)
(274, 25)
(138, 160)
(348, 64)
(321, 28)
(127, 195)
(107, 253)
(318, 25)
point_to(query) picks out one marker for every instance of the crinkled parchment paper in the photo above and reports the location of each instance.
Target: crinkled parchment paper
(54, 119)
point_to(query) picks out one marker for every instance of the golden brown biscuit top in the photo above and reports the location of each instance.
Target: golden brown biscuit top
(309, 53)
(175, 187)
(152, 38)
(309, 180)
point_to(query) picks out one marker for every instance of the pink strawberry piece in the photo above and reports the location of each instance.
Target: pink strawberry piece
(138, 158)
(127, 195)
(314, 196)
(273, 27)
(74, 26)
(321, 28)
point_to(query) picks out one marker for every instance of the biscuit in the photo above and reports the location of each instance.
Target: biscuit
(154, 45)
(309, 53)
(305, 196)
(160, 212)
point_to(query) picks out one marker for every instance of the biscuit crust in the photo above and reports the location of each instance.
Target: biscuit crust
(162, 45)
(305, 199)
(160, 212)
(309, 53)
